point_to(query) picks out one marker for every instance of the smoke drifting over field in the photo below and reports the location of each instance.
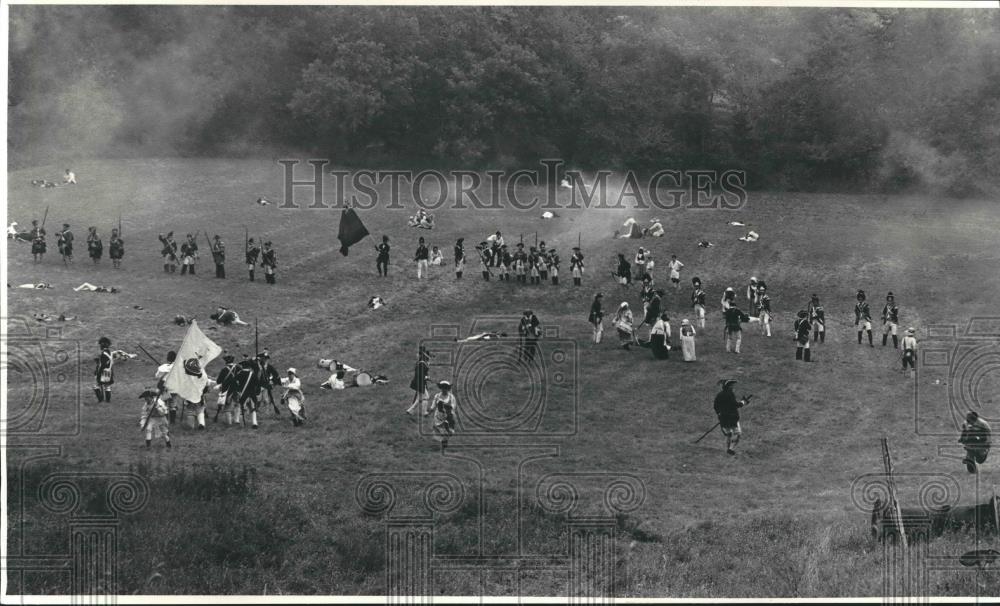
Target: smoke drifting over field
(826, 98)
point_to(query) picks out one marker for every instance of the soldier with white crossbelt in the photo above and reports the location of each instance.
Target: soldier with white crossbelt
(698, 300)
(890, 320)
(189, 255)
(818, 318)
(576, 266)
(252, 253)
(269, 261)
(169, 252)
(764, 308)
(863, 318)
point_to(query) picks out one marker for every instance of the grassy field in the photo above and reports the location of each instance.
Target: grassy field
(778, 519)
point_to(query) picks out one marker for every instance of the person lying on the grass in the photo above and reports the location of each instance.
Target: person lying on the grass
(483, 336)
(39, 285)
(655, 230)
(704, 244)
(226, 316)
(44, 317)
(92, 288)
(751, 236)
(422, 219)
(376, 302)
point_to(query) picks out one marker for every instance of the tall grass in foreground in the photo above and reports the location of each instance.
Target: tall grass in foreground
(216, 530)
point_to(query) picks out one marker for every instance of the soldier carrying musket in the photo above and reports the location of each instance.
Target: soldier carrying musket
(65, 243)
(253, 252)
(189, 254)
(169, 252)
(116, 249)
(269, 261)
(37, 240)
(219, 256)
(95, 248)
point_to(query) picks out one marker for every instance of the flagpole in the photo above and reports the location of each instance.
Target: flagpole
(256, 345)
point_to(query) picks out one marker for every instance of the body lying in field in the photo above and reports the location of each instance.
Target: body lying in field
(87, 286)
(483, 336)
(227, 317)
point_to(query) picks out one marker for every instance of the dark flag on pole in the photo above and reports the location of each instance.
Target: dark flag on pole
(352, 230)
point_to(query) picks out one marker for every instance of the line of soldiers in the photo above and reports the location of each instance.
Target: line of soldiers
(64, 241)
(187, 256)
(536, 265)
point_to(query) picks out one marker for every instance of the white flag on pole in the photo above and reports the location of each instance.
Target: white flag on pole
(187, 378)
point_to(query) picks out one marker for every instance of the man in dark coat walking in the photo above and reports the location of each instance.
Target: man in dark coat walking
(727, 408)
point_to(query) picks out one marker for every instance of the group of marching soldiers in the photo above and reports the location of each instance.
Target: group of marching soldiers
(186, 255)
(64, 242)
(535, 265)
(243, 387)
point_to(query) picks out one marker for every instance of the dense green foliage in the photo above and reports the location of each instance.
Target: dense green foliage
(801, 99)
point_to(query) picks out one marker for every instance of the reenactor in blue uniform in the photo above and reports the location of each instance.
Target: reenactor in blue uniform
(189, 254)
(890, 320)
(863, 318)
(505, 260)
(763, 303)
(576, 266)
(520, 259)
(534, 260)
(553, 266)
(698, 300)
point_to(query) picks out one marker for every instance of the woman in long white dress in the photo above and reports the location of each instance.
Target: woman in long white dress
(687, 340)
(445, 407)
(623, 324)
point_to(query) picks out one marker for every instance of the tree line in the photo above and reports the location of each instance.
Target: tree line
(802, 99)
